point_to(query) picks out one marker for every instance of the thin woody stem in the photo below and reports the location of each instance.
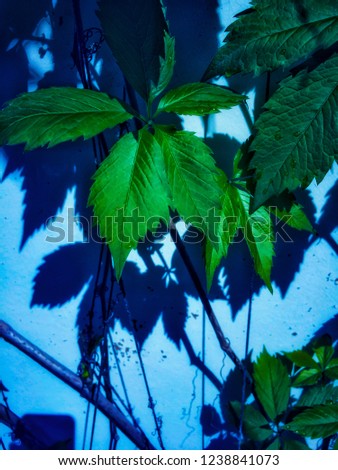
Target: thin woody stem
(68, 377)
(223, 341)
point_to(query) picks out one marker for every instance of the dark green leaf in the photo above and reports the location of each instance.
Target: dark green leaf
(272, 384)
(331, 370)
(123, 194)
(54, 115)
(302, 359)
(306, 377)
(198, 99)
(256, 427)
(275, 33)
(291, 444)
(324, 355)
(296, 137)
(166, 67)
(335, 447)
(318, 395)
(275, 445)
(194, 179)
(135, 33)
(317, 422)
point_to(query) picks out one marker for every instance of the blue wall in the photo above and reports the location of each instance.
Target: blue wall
(47, 288)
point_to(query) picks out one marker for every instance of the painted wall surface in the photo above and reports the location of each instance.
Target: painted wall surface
(47, 288)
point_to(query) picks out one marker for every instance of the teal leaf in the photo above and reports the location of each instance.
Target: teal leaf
(318, 422)
(123, 194)
(318, 395)
(275, 33)
(272, 384)
(135, 33)
(198, 99)
(166, 67)
(296, 137)
(54, 115)
(194, 179)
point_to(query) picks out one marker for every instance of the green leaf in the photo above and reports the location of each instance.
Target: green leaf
(54, 115)
(275, 445)
(272, 384)
(296, 137)
(318, 395)
(335, 447)
(166, 67)
(295, 218)
(198, 99)
(194, 179)
(256, 228)
(291, 444)
(129, 194)
(258, 233)
(275, 33)
(256, 427)
(134, 31)
(226, 229)
(302, 359)
(324, 355)
(331, 370)
(318, 422)
(307, 377)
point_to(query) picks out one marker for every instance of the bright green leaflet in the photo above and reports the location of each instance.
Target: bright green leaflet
(226, 230)
(129, 194)
(166, 67)
(134, 31)
(318, 421)
(54, 115)
(275, 33)
(256, 228)
(258, 233)
(296, 137)
(193, 178)
(295, 217)
(272, 384)
(198, 99)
